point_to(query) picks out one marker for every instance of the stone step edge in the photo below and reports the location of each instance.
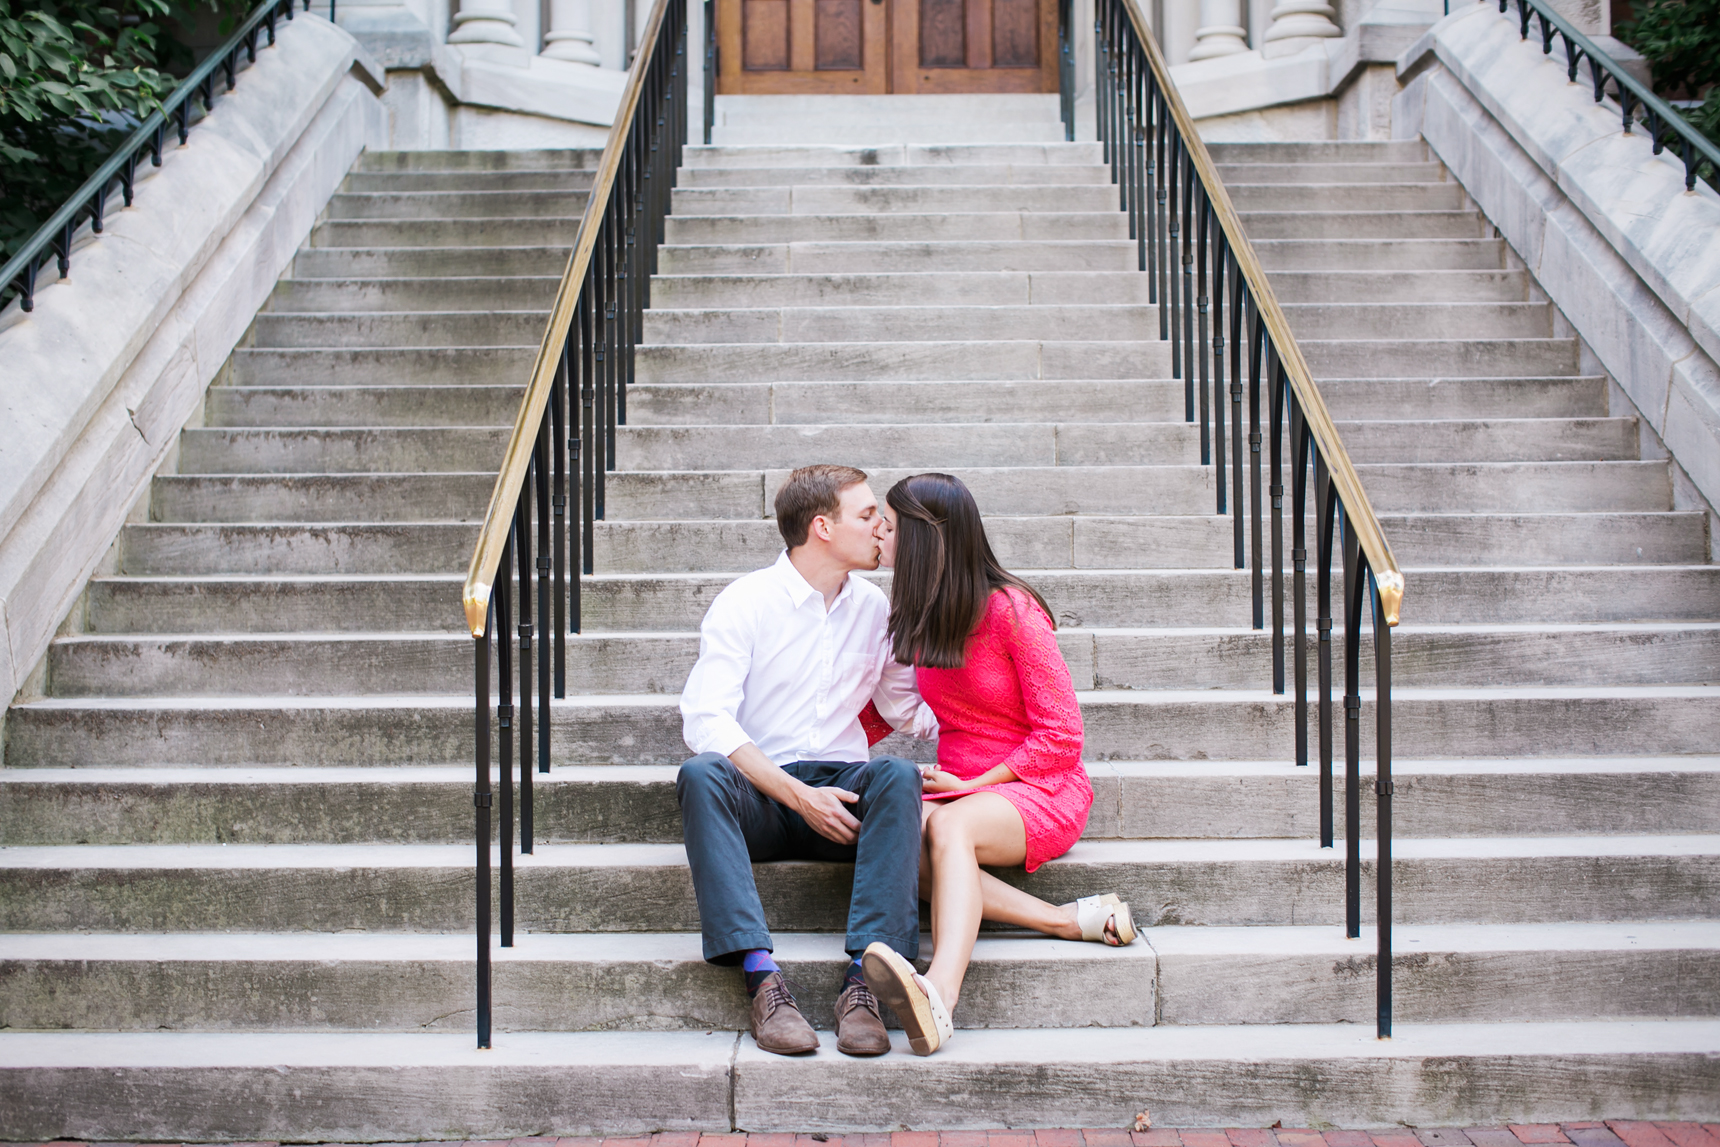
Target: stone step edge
(1163, 942)
(1103, 853)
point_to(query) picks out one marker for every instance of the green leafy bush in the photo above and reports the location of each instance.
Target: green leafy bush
(1681, 41)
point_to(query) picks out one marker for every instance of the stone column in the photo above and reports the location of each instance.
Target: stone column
(486, 22)
(1298, 23)
(1221, 32)
(569, 36)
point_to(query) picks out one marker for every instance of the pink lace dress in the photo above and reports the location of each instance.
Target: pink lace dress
(1013, 703)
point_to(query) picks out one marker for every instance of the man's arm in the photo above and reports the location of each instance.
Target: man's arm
(822, 808)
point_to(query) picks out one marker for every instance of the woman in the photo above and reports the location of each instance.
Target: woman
(1009, 787)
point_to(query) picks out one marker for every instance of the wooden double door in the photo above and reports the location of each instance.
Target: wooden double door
(792, 47)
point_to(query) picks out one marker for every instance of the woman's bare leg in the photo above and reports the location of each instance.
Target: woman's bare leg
(983, 828)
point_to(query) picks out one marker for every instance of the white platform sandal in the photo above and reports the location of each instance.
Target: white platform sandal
(1092, 913)
(918, 1007)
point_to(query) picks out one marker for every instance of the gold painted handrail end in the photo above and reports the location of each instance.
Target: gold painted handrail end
(476, 601)
(1390, 588)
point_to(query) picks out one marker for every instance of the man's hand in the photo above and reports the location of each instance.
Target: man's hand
(822, 809)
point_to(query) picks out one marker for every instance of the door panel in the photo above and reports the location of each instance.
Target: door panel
(789, 47)
(973, 46)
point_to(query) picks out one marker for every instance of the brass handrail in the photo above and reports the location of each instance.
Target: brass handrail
(1388, 579)
(498, 518)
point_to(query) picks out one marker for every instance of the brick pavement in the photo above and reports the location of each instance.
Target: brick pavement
(1610, 1133)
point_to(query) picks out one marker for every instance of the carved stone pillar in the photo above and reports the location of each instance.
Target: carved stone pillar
(569, 36)
(486, 22)
(1221, 32)
(1297, 23)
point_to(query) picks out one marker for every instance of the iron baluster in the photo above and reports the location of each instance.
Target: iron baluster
(1301, 443)
(1202, 347)
(505, 737)
(544, 595)
(1384, 790)
(592, 356)
(1352, 731)
(1186, 248)
(523, 550)
(1239, 302)
(1256, 347)
(1325, 524)
(481, 801)
(1162, 230)
(559, 437)
(1173, 250)
(1220, 269)
(1275, 379)
(600, 381)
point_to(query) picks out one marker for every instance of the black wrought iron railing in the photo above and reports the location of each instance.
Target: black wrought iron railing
(1633, 98)
(562, 445)
(1231, 343)
(90, 202)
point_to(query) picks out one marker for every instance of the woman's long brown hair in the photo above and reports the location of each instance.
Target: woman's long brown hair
(945, 571)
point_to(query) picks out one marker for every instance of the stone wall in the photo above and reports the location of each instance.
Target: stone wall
(1630, 258)
(114, 360)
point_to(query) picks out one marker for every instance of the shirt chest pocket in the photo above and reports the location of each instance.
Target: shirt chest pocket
(854, 674)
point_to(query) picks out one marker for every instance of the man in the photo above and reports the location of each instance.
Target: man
(788, 658)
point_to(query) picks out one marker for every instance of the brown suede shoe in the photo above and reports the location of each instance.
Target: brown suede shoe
(777, 1024)
(859, 1027)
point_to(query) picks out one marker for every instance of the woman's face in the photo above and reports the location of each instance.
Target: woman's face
(885, 532)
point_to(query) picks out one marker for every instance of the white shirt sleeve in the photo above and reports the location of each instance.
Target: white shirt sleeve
(712, 696)
(898, 699)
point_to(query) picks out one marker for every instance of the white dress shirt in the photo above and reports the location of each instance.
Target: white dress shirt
(776, 669)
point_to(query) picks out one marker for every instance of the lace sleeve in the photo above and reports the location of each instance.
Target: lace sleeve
(1053, 744)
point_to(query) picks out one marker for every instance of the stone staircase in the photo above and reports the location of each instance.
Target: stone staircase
(236, 874)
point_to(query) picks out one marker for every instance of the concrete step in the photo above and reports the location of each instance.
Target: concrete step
(556, 982)
(160, 549)
(1439, 358)
(837, 154)
(646, 728)
(905, 361)
(276, 604)
(931, 256)
(362, 406)
(1015, 400)
(860, 132)
(461, 205)
(1346, 195)
(220, 450)
(1322, 155)
(1158, 658)
(645, 887)
(1262, 223)
(916, 288)
(887, 446)
(495, 162)
(826, 199)
(619, 1082)
(1387, 254)
(488, 294)
(1327, 173)
(412, 329)
(427, 262)
(1134, 800)
(401, 182)
(894, 175)
(1420, 320)
(899, 228)
(1492, 440)
(486, 233)
(1426, 286)
(323, 498)
(871, 324)
(383, 366)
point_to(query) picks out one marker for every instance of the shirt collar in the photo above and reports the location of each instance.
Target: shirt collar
(800, 590)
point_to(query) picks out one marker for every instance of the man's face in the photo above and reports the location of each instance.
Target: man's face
(853, 531)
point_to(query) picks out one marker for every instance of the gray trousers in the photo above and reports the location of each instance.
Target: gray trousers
(729, 825)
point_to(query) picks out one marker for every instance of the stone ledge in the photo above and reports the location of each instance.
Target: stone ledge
(1606, 227)
(115, 359)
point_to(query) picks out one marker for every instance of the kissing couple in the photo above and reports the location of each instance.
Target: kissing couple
(802, 666)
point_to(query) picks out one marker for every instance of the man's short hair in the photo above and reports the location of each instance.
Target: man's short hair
(809, 492)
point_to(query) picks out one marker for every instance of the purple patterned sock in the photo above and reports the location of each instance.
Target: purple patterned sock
(758, 966)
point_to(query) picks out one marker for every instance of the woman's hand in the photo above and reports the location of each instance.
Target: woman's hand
(938, 781)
